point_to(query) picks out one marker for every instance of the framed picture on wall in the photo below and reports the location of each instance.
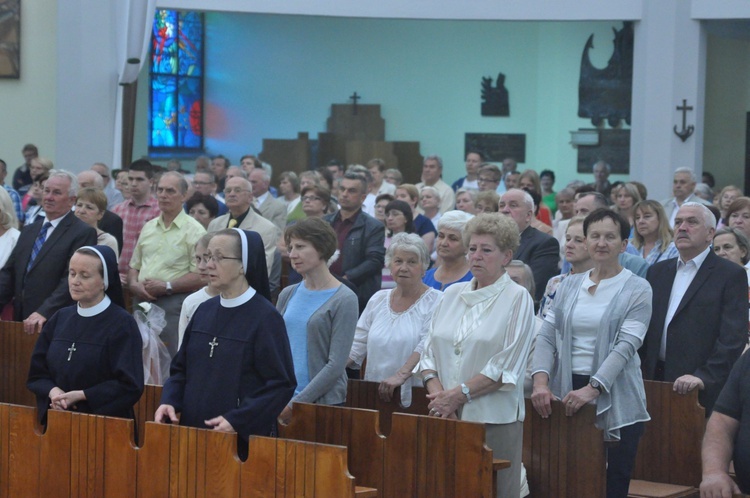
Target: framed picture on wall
(10, 39)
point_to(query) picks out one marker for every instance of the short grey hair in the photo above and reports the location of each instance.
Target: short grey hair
(470, 191)
(408, 242)
(96, 178)
(61, 173)
(704, 191)
(433, 190)
(529, 284)
(264, 174)
(689, 171)
(240, 172)
(609, 168)
(454, 220)
(435, 157)
(526, 198)
(183, 184)
(708, 216)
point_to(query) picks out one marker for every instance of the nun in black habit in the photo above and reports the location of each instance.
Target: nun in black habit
(234, 370)
(88, 357)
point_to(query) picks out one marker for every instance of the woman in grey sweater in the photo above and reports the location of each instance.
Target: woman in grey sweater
(320, 314)
(587, 350)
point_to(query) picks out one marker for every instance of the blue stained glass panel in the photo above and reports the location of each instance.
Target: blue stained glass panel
(190, 113)
(164, 47)
(191, 44)
(176, 112)
(163, 114)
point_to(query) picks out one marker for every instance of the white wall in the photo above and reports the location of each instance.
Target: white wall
(27, 105)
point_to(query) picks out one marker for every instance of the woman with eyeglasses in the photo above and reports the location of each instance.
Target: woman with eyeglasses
(233, 371)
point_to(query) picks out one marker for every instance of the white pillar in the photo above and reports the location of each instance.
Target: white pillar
(669, 66)
(86, 83)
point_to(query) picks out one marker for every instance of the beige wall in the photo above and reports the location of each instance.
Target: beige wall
(28, 105)
(727, 105)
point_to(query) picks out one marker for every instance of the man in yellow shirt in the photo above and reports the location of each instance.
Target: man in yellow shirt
(163, 268)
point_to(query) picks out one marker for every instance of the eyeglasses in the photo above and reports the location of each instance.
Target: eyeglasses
(311, 198)
(487, 180)
(216, 258)
(202, 184)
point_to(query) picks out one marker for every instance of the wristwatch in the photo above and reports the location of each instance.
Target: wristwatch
(596, 385)
(465, 391)
(169, 288)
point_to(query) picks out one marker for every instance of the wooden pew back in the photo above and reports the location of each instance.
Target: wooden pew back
(15, 356)
(670, 449)
(364, 394)
(564, 456)
(91, 456)
(422, 456)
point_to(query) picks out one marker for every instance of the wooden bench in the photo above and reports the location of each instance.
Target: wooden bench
(91, 456)
(16, 348)
(669, 454)
(564, 456)
(364, 394)
(422, 456)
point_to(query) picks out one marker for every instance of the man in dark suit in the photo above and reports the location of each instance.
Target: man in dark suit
(36, 274)
(361, 240)
(537, 249)
(698, 326)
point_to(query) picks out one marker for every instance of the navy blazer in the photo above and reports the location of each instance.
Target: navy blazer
(44, 288)
(542, 253)
(709, 329)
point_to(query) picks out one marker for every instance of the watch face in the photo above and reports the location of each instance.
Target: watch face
(465, 389)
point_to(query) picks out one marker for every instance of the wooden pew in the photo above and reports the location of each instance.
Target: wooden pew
(422, 456)
(364, 394)
(145, 408)
(15, 355)
(669, 454)
(564, 456)
(91, 456)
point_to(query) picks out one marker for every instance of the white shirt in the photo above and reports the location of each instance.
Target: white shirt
(587, 317)
(260, 199)
(7, 243)
(54, 224)
(686, 272)
(387, 338)
(486, 331)
(189, 305)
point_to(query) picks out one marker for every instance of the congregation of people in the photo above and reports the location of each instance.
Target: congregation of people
(488, 290)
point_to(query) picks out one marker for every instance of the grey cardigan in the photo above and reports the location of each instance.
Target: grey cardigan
(616, 362)
(330, 333)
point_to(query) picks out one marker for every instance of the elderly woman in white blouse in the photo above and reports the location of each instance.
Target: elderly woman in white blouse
(475, 356)
(587, 349)
(393, 327)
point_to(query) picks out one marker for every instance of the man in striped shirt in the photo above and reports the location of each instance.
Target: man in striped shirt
(136, 211)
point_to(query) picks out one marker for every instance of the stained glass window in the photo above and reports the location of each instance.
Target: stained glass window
(176, 100)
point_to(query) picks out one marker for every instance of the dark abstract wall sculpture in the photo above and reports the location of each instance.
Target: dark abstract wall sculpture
(495, 99)
(606, 93)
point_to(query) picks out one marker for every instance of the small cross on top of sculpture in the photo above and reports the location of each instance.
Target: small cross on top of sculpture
(495, 99)
(354, 98)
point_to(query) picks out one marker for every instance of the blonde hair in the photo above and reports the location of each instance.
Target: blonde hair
(8, 218)
(502, 229)
(665, 231)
